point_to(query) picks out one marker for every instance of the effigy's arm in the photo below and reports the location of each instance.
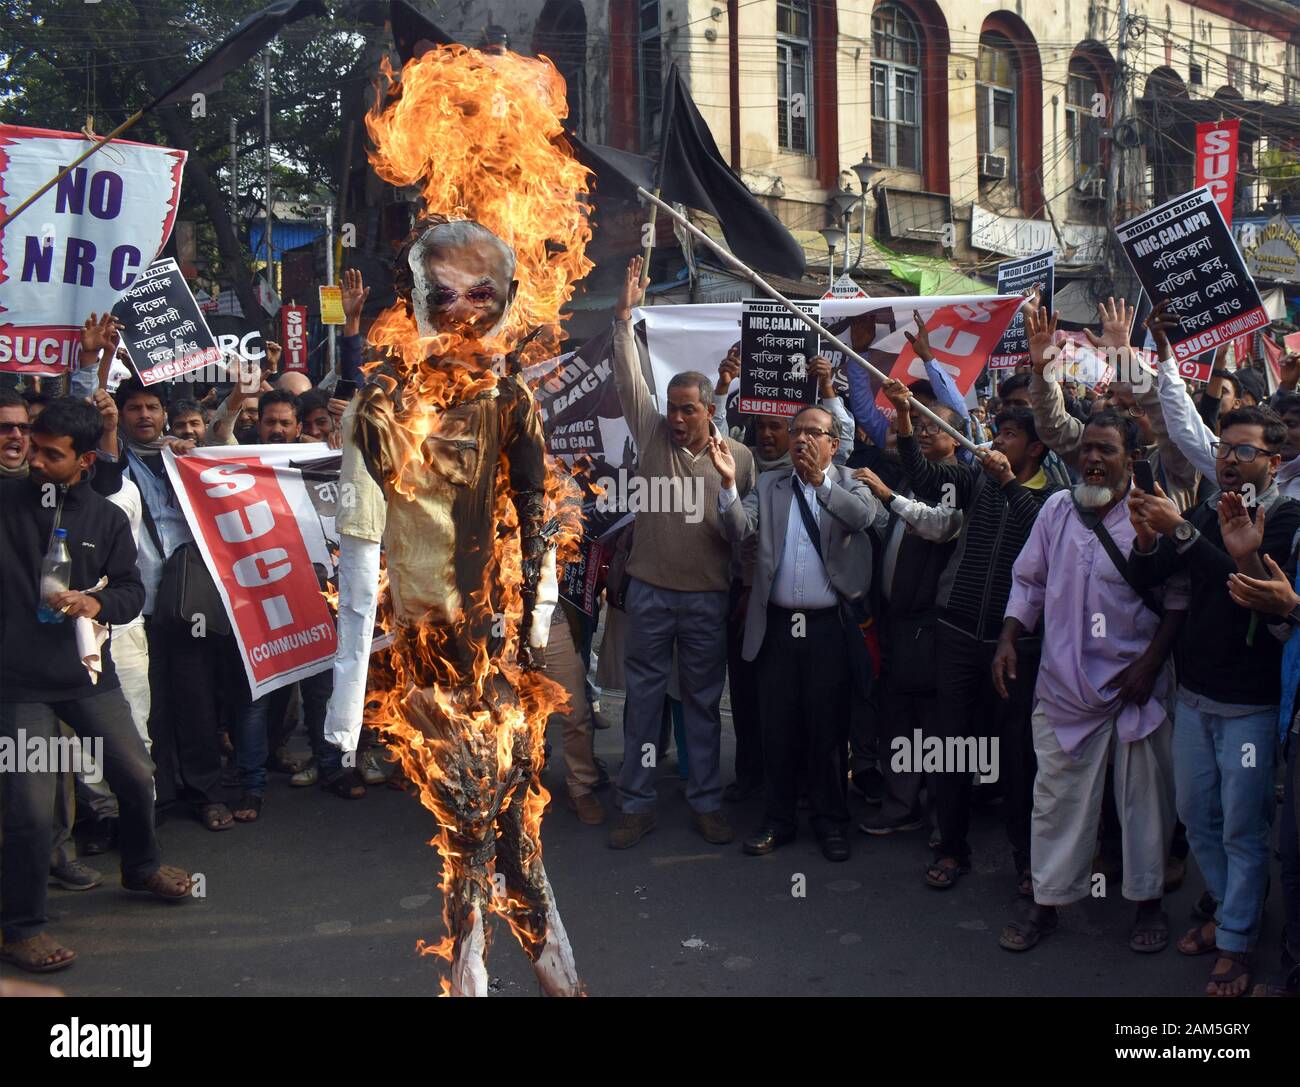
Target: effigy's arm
(525, 454)
(362, 512)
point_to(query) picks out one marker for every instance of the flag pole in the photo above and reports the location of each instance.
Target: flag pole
(649, 241)
(95, 146)
(812, 322)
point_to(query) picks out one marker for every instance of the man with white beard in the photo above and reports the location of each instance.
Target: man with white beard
(1104, 682)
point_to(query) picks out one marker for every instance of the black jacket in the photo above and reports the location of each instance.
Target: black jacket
(1213, 657)
(39, 661)
(973, 592)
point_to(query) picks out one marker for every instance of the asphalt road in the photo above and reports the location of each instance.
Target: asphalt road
(323, 896)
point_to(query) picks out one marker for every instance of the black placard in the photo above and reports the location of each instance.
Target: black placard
(1021, 276)
(163, 330)
(776, 353)
(1184, 254)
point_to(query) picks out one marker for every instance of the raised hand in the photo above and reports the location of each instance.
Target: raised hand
(355, 293)
(633, 287)
(997, 466)
(1115, 319)
(920, 339)
(1241, 536)
(728, 371)
(1040, 332)
(1272, 595)
(1160, 324)
(821, 370)
(721, 456)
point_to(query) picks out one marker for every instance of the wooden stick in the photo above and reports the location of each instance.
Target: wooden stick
(812, 322)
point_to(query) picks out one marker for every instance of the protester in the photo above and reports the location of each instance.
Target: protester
(14, 428)
(318, 424)
(918, 542)
(810, 586)
(999, 500)
(1229, 668)
(1104, 681)
(680, 576)
(185, 420)
(277, 418)
(191, 651)
(45, 680)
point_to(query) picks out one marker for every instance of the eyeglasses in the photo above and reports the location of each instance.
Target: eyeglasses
(21, 428)
(1245, 453)
(927, 428)
(810, 432)
(1136, 411)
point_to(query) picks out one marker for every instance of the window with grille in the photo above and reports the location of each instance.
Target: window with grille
(895, 89)
(996, 77)
(1082, 127)
(793, 82)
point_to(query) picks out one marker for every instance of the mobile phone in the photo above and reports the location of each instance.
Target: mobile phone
(345, 390)
(1143, 476)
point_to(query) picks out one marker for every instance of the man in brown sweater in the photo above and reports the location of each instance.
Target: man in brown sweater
(680, 576)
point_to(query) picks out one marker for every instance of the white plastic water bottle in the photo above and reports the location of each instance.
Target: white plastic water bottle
(56, 571)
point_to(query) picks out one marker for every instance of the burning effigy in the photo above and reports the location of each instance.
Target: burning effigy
(446, 457)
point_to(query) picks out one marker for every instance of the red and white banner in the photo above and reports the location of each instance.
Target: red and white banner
(963, 332)
(262, 533)
(80, 245)
(1216, 162)
(293, 323)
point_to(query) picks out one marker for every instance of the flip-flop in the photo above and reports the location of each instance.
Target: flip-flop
(39, 947)
(1155, 923)
(159, 883)
(1029, 930)
(1240, 968)
(943, 877)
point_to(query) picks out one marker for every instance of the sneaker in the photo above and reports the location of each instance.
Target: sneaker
(308, 775)
(588, 808)
(75, 876)
(878, 826)
(373, 770)
(713, 827)
(630, 829)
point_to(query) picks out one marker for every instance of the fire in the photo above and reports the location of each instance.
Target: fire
(481, 137)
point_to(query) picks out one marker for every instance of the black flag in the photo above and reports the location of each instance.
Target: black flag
(693, 172)
(413, 34)
(237, 46)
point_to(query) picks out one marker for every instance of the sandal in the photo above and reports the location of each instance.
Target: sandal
(942, 876)
(36, 954)
(163, 883)
(1037, 922)
(1239, 967)
(1150, 924)
(1195, 943)
(249, 808)
(216, 817)
(344, 783)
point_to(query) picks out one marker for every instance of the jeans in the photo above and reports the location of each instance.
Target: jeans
(130, 646)
(251, 745)
(656, 619)
(1288, 845)
(27, 798)
(1224, 791)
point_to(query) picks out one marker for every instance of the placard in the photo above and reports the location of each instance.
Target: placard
(1022, 276)
(163, 331)
(776, 353)
(1183, 253)
(331, 306)
(293, 320)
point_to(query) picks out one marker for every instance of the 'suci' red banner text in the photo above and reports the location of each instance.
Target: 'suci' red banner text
(259, 533)
(1216, 162)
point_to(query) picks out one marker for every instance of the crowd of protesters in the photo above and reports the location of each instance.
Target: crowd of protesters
(1090, 612)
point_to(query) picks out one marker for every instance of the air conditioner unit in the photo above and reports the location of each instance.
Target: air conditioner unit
(1093, 190)
(993, 166)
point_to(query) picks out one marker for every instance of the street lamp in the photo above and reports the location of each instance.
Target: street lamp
(834, 238)
(866, 172)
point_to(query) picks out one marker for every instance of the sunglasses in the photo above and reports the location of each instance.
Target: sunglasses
(21, 428)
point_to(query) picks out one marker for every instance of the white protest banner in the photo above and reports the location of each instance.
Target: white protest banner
(81, 244)
(257, 514)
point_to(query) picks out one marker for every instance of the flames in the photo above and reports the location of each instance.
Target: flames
(480, 136)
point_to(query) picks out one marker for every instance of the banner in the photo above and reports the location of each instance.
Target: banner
(81, 244)
(776, 352)
(331, 306)
(163, 330)
(1184, 254)
(260, 516)
(293, 321)
(1216, 162)
(235, 336)
(1022, 277)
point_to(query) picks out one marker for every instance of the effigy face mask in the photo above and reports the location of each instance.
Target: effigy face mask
(463, 281)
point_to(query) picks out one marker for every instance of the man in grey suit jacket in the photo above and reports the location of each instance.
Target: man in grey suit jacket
(811, 578)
